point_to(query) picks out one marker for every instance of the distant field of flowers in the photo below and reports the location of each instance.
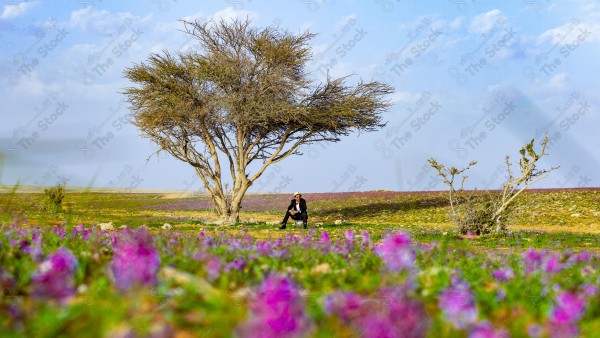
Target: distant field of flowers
(80, 280)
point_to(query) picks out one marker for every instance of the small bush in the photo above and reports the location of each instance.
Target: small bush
(476, 214)
(53, 199)
(484, 214)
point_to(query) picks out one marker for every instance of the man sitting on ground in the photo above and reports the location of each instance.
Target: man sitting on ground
(296, 210)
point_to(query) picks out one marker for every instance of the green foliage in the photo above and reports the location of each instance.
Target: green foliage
(53, 198)
(477, 215)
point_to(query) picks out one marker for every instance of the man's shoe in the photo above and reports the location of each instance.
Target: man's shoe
(282, 226)
(305, 227)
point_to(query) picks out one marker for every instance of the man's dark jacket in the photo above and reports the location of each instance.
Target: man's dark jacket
(302, 205)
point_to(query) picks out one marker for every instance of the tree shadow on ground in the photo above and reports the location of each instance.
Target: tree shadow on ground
(378, 208)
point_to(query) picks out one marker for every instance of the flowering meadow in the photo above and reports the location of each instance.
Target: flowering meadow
(193, 279)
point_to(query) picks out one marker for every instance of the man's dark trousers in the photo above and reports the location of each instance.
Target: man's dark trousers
(297, 216)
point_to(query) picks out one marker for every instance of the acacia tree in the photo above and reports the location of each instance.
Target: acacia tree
(244, 97)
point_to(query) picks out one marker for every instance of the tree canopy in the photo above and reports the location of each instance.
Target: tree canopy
(245, 96)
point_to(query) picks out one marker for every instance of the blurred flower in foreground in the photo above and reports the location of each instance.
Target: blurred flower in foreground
(396, 251)
(390, 314)
(565, 315)
(532, 260)
(277, 310)
(346, 305)
(458, 305)
(485, 329)
(81, 231)
(7, 283)
(135, 260)
(366, 239)
(503, 275)
(54, 278)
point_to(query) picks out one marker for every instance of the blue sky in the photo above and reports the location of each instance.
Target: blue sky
(474, 80)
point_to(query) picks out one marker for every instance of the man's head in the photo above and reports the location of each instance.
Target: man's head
(297, 195)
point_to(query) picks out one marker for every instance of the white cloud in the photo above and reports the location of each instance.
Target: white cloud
(571, 31)
(12, 11)
(193, 17)
(404, 97)
(346, 20)
(30, 86)
(230, 13)
(482, 23)
(559, 82)
(103, 22)
(590, 7)
(456, 24)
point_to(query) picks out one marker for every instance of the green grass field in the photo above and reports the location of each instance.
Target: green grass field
(394, 263)
(563, 218)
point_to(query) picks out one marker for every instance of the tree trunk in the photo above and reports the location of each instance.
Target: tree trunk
(233, 217)
(229, 210)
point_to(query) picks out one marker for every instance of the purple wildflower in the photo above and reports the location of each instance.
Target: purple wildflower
(7, 283)
(582, 256)
(366, 239)
(379, 317)
(534, 330)
(81, 231)
(568, 310)
(135, 260)
(325, 239)
(587, 270)
(277, 310)
(553, 265)
(395, 305)
(503, 275)
(54, 278)
(349, 234)
(213, 268)
(532, 260)
(590, 290)
(485, 329)
(500, 295)
(208, 241)
(237, 264)
(346, 305)
(264, 247)
(325, 242)
(59, 231)
(458, 305)
(396, 251)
